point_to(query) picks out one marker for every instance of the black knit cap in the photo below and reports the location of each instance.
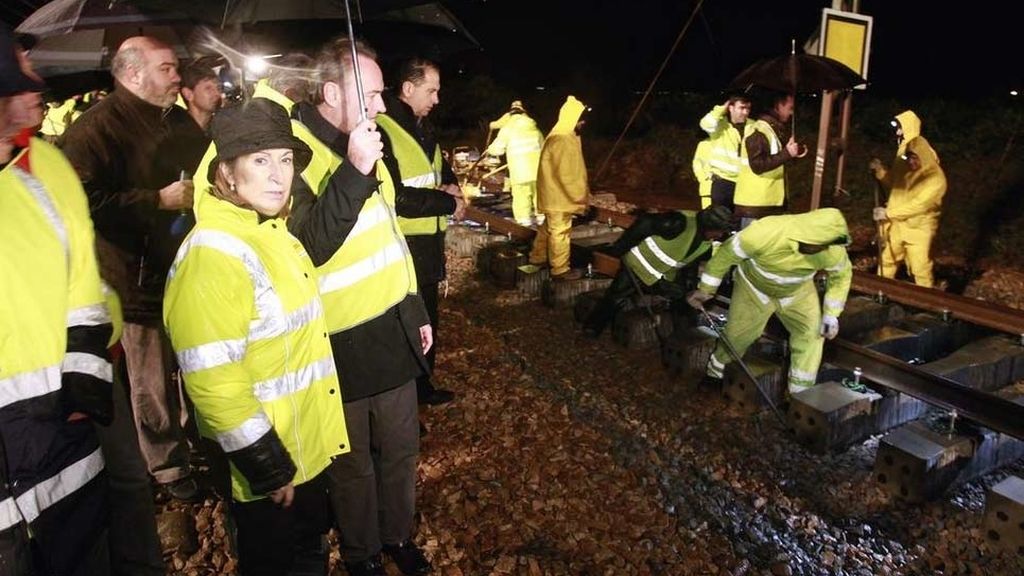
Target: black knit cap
(12, 79)
(258, 124)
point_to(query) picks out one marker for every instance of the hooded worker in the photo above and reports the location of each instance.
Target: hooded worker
(520, 141)
(562, 190)
(910, 218)
(776, 259)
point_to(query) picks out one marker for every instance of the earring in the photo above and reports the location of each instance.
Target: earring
(232, 186)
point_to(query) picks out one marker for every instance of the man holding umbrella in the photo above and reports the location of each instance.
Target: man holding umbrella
(761, 185)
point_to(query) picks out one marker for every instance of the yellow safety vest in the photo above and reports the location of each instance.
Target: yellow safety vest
(248, 327)
(657, 257)
(767, 189)
(373, 269)
(417, 171)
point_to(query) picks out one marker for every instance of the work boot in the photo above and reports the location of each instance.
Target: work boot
(571, 274)
(435, 396)
(710, 383)
(372, 566)
(408, 557)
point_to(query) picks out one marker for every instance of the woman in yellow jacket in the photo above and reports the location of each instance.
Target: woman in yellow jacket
(245, 319)
(910, 218)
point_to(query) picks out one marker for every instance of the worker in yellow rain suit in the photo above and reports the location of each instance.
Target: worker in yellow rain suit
(562, 190)
(910, 218)
(702, 171)
(776, 258)
(520, 141)
(246, 321)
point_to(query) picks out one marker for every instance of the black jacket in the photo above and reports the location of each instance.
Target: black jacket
(120, 149)
(427, 250)
(382, 353)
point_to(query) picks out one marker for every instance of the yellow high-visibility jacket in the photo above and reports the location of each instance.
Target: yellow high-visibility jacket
(373, 269)
(726, 156)
(765, 189)
(766, 256)
(520, 141)
(54, 330)
(247, 324)
(416, 171)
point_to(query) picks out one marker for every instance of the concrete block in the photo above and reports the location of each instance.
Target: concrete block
(917, 464)
(636, 329)
(830, 416)
(771, 378)
(562, 293)
(987, 364)
(530, 280)
(1004, 515)
(687, 352)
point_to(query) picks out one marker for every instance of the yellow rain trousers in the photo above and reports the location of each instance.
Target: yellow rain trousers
(773, 277)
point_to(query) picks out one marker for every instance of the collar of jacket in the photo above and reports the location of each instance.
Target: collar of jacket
(223, 211)
(131, 106)
(421, 128)
(324, 131)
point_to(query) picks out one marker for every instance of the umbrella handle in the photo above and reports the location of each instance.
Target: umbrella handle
(355, 66)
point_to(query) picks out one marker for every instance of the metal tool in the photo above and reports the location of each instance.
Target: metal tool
(355, 65)
(742, 364)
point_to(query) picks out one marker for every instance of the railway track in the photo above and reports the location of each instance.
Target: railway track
(937, 370)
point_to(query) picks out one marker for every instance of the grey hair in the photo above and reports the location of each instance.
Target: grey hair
(334, 60)
(125, 60)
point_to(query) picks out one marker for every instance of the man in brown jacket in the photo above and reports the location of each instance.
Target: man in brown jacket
(135, 194)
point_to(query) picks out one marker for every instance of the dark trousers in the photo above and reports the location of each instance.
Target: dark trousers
(373, 487)
(625, 286)
(429, 293)
(722, 192)
(275, 541)
(134, 543)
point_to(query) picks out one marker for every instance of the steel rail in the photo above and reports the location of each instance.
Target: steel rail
(987, 409)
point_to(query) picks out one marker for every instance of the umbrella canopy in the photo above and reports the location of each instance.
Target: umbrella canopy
(798, 74)
(77, 36)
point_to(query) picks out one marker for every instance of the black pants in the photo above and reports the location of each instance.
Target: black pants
(275, 541)
(722, 192)
(429, 294)
(618, 293)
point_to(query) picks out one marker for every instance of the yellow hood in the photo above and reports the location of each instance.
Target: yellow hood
(568, 116)
(819, 227)
(911, 126)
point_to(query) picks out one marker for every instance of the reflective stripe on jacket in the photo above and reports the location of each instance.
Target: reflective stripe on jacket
(656, 257)
(247, 325)
(768, 188)
(54, 330)
(373, 270)
(520, 141)
(417, 171)
(726, 157)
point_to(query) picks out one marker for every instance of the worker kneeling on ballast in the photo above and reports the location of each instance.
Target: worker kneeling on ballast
(655, 251)
(776, 259)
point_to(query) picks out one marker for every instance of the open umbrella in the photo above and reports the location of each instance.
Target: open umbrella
(798, 74)
(77, 36)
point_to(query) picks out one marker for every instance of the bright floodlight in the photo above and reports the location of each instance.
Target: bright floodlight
(256, 64)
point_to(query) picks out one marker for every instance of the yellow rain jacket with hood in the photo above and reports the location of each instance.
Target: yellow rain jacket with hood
(773, 277)
(562, 175)
(914, 206)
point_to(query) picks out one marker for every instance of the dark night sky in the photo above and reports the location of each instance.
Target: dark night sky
(918, 47)
(628, 40)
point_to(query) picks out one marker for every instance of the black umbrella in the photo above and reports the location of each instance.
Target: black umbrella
(77, 36)
(798, 74)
